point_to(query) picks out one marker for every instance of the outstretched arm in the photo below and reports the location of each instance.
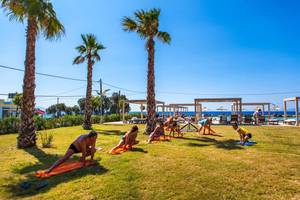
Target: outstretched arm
(83, 151)
(93, 149)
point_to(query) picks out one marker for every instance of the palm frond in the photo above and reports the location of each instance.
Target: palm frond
(81, 49)
(164, 37)
(129, 24)
(78, 60)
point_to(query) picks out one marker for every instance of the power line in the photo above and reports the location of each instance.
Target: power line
(44, 74)
(143, 92)
(70, 78)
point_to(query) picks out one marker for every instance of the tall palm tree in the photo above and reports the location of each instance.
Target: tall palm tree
(88, 51)
(41, 18)
(146, 25)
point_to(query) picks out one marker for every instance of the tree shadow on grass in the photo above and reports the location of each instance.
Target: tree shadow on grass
(191, 144)
(229, 144)
(224, 144)
(45, 160)
(109, 132)
(137, 149)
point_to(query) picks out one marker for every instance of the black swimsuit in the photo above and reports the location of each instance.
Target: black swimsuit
(73, 148)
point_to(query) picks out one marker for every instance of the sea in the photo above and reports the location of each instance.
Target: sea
(218, 113)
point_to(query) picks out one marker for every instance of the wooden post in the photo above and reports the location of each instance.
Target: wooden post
(297, 112)
(240, 111)
(141, 111)
(163, 111)
(269, 113)
(195, 108)
(284, 108)
(200, 105)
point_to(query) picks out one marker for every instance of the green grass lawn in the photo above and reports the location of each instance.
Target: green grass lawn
(195, 167)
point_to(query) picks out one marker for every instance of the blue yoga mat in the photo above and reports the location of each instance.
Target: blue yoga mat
(249, 143)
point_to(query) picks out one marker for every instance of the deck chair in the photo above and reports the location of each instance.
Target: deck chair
(223, 119)
(234, 118)
(248, 119)
(261, 119)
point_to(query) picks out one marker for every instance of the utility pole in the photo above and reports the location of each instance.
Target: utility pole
(119, 98)
(101, 104)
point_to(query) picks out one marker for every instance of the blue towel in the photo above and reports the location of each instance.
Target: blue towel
(249, 143)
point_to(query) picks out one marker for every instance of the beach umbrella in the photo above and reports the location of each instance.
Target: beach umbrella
(221, 108)
(205, 109)
(277, 108)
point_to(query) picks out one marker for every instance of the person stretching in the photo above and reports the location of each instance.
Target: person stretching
(158, 131)
(244, 134)
(128, 140)
(206, 125)
(84, 144)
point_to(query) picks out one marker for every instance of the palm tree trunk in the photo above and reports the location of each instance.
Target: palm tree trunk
(151, 121)
(27, 135)
(87, 124)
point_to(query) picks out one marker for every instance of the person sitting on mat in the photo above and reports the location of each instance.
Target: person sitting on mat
(244, 134)
(84, 144)
(206, 125)
(129, 139)
(158, 131)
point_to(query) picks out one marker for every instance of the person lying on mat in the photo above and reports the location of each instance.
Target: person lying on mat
(244, 134)
(158, 131)
(84, 144)
(129, 139)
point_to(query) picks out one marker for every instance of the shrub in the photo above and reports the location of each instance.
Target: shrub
(9, 125)
(47, 139)
(12, 124)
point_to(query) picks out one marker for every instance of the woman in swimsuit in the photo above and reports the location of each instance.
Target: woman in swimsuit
(129, 139)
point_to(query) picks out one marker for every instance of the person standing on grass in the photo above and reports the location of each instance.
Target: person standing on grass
(84, 144)
(256, 115)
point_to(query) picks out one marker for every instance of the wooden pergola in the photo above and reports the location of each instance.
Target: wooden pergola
(262, 104)
(173, 108)
(142, 102)
(292, 99)
(236, 101)
(185, 105)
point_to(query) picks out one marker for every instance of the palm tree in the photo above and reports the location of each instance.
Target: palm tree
(41, 18)
(146, 25)
(88, 51)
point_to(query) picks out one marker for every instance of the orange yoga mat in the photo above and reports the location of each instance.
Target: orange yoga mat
(162, 138)
(119, 150)
(63, 168)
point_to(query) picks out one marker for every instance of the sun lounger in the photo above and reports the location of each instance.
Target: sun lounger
(223, 119)
(137, 121)
(248, 119)
(261, 120)
(273, 122)
(289, 121)
(234, 118)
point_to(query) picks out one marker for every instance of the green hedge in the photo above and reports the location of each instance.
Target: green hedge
(12, 124)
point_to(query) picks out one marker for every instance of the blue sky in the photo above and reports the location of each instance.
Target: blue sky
(219, 48)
